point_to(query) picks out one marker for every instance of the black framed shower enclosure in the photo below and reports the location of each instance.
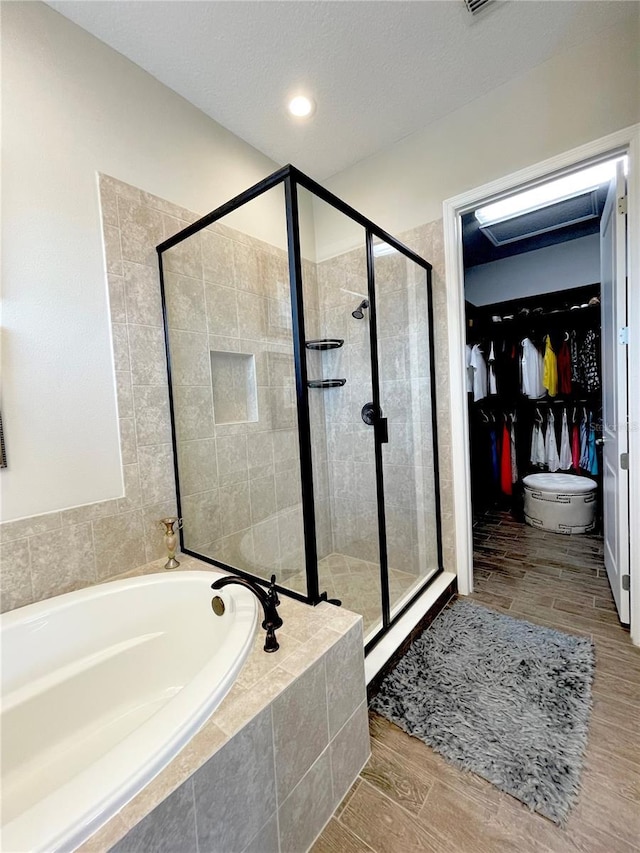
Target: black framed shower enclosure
(302, 399)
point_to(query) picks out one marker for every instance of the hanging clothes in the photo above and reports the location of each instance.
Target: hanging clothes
(550, 371)
(495, 464)
(479, 367)
(480, 457)
(584, 445)
(532, 370)
(512, 447)
(507, 370)
(575, 447)
(592, 466)
(564, 369)
(551, 457)
(493, 387)
(537, 443)
(565, 445)
(469, 369)
(588, 357)
(573, 354)
(505, 461)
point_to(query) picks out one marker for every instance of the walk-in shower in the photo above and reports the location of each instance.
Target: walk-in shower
(304, 430)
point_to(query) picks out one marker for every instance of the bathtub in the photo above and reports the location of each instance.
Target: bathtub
(100, 689)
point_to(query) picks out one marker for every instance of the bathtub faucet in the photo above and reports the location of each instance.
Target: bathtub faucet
(269, 601)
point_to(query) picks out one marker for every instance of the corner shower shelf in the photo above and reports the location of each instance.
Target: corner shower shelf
(326, 383)
(325, 343)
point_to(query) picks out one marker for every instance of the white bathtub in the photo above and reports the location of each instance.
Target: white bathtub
(100, 689)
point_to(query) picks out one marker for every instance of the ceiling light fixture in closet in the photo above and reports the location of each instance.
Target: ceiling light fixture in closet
(544, 195)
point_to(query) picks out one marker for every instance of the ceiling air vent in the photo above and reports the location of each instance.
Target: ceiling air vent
(476, 6)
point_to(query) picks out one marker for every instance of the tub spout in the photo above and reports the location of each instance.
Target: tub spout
(269, 601)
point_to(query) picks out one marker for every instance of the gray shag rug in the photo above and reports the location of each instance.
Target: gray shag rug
(501, 697)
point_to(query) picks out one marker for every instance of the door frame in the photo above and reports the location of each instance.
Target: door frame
(623, 141)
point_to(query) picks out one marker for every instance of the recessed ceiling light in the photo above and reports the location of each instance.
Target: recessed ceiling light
(301, 106)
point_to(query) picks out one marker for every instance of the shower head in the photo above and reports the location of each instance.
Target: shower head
(359, 312)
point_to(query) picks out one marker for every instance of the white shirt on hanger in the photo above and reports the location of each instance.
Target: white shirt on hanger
(493, 387)
(532, 370)
(479, 366)
(469, 369)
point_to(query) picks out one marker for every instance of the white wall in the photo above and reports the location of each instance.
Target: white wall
(573, 98)
(559, 267)
(73, 107)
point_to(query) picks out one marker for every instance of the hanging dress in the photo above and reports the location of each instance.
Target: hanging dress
(588, 362)
(564, 369)
(565, 445)
(505, 461)
(495, 463)
(550, 371)
(592, 467)
(573, 353)
(584, 447)
(512, 443)
(575, 447)
(550, 445)
(537, 443)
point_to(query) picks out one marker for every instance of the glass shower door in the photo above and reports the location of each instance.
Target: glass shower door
(409, 477)
(340, 380)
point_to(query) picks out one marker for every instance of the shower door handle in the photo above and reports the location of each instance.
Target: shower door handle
(372, 416)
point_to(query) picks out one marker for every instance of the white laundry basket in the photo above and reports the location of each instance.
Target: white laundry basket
(562, 503)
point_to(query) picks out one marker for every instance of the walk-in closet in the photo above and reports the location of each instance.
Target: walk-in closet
(541, 391)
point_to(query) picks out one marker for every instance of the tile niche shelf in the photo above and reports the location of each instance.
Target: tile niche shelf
(235, 395)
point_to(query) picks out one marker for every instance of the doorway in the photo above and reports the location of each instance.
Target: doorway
(542, 309)
(454, 211)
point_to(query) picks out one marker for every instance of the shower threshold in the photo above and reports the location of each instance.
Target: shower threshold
(356, 583)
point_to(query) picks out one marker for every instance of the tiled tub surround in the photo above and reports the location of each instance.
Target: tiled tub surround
(49, 554)
(272, 764)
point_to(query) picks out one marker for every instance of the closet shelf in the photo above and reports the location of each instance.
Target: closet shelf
(325, 343)
(326, 383)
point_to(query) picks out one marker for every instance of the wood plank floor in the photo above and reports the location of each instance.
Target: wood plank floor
(409, 799)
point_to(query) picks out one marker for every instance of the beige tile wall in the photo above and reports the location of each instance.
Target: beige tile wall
(402, 314)
(230, 339)
(50, 554)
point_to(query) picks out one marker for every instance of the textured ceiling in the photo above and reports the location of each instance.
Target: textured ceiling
(378, 70)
